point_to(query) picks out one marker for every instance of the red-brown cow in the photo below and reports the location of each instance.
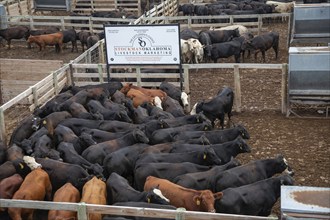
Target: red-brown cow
(150, 92)
(9, 186)
(36, 186)
(47, 39)
(139, 98)
(94, 192)
(67, 193)
(191, 200)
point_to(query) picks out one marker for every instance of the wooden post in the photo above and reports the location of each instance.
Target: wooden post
(29, 7)
(68, 77)
(71, 73)
(138, 76)
(100, 71)
(19, 7)
(2, 127)
(90, 25)
(62, 23)
(82, 211)
(7, 8)
(231, 20)
(31, 23)
(186, 84)
(55, 81)
(237, 85)
(259, 24)
(284, 88)
(35, 96)
(101, 53)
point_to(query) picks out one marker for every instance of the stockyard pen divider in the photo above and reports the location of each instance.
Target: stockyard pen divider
(84, 209)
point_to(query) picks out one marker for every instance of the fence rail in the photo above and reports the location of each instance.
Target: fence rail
(83, 210)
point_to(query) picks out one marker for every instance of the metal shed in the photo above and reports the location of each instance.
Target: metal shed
(62, 5)
(310, 23)
(309, 76)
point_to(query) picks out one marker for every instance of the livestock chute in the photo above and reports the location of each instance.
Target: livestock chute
(62, 5)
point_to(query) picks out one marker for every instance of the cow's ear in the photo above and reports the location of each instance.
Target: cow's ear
(218, 195)
(197, 200)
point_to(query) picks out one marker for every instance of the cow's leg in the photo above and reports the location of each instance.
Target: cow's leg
(275, 47)
(263, 55)
(9, 42)
(222, 120)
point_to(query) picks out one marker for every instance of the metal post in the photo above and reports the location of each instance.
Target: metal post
(284, 90)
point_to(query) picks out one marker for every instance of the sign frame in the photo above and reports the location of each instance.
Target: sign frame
(143, 45)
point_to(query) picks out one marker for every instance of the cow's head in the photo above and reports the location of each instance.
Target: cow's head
(31, 162)
(26, 145)
(286, 180)
(205, 200)
(243, 132)
(282, 165)
(184, 99)
(156, 196)
(140, 136)
(210, 157)
(243, 146)
(126, 88)
(35, 123)
(157, 102)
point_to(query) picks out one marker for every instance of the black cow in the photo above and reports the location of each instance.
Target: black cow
(223, 35)
(25, 129)
(164, 170)
(255, 199)
(172, 106)
(227, 49)
(14, 152)
(28, 144)
(187, 33)
(101, 136)
(168, 134)
(95, 106)
(119, 190)
(205, 157)
(82, 36)
(263, 43)
(203, 180)
(70, 35)
(187, 9)
(225, 151)
(53, 119)
(250, 173)
(218, 106)
(175, 93)
(70, 155)
(17, 32)
(96, 153)
(78, 124)
(122, 161)
(187, 119)
(215, 136)
(77, 110)
(44, 148)
(61, 173)
(206, 41)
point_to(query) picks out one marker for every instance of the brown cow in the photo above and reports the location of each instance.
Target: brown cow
(150, 92)
(190, 199)
(139, 98)
(67, 193)
(9, 186)
(47, 39)
(94, 192)
(36, 186)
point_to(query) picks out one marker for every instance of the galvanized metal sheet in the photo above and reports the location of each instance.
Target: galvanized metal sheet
(304, 199)
(3, 17)
(309, 69)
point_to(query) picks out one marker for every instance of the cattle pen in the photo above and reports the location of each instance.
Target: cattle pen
(90, 68)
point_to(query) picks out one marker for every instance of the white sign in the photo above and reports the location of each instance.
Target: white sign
(142, 44)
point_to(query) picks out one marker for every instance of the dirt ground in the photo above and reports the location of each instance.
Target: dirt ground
(304, 142)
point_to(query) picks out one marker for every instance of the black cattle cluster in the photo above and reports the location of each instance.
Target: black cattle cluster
(225, 7)
(70, 137)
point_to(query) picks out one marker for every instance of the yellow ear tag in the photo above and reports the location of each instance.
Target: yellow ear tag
(148, 200)
(21, 165)
(204, 156)
(198, 202)
(44, 122)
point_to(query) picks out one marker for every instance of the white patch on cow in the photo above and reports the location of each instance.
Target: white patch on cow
(160, 194)
(184, 99)
(287, 171)
(193, 110)
(31, 162)
(158, 102)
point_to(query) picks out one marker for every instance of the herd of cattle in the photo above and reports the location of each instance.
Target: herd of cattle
(126, 145)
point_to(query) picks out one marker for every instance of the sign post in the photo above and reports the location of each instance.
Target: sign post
(143, 45)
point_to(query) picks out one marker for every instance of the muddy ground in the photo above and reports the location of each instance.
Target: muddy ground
(304, 142)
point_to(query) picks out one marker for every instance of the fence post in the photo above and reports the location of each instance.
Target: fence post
(2, 127)
(101, 54)
(35, 96)
(19, 7)
(31, 23)
(138, 76)
(82, 212)
(100, 71)
(29, 7)
(71, 73)
(186, 84)
(62, 23)
(259, 24)
(237, 85)
(90, 24)
(284, 88)
(55, 80)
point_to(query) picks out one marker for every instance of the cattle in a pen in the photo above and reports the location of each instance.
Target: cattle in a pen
(191, 200)
(16, 32)
(44, 40)
(70, 35)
